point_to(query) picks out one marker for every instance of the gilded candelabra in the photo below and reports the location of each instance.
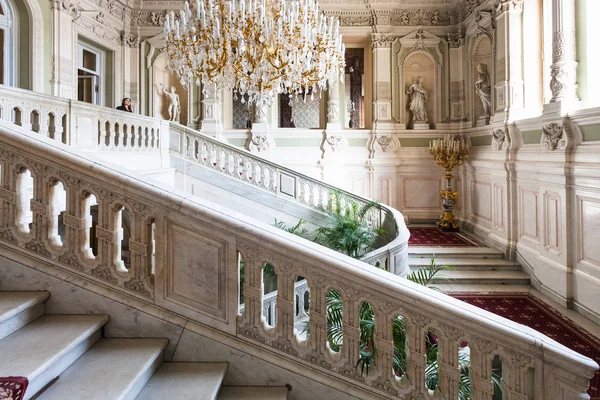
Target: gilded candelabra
(449, 152)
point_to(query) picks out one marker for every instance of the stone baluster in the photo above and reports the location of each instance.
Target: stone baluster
(351, 346)
(563, 70)
(284, 326)
(416, 354)
(102, 135)
(43, 125)
(250, 321)
(125, 129)
(8, 199)
(140, 253)
(480, 368)
(448, 367)
(39, 211)
(107, 237)
(514, 375)
(384, 342)
(77, 229)
(111, 135)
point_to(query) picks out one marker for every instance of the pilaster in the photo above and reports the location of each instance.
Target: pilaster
(63, 82)
(563, 70)
(382, 81)
(211, 113)
(509, 46)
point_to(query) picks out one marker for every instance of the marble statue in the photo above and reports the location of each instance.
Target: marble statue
(174, 107)
(483, 89)
(418, 98)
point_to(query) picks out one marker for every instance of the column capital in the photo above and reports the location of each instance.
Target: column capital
(509, 5)
(382, 40)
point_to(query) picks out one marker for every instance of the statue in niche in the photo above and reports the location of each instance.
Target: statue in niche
(174, 107)
(483, 89)
(418, 98)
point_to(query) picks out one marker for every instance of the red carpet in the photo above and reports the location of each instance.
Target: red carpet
(13, 387)
(433, 236)
(528, 310)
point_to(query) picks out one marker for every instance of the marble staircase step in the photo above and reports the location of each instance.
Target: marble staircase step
(482, 277)
(185, 380)
(459, 263)
(47, 346)
(462, 252)
(17, 309)
(253, 393)
(115, 369)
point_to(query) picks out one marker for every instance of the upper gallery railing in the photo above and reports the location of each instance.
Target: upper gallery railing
(195, 270)
(391, 252)
(80, 124)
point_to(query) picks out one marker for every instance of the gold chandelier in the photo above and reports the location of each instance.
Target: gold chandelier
(258, 48)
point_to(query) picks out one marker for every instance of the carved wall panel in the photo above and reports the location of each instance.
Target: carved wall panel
(196, 271)
(552, 222)
(481, 200)
(421, 193)
(529, 224)
(588, 219)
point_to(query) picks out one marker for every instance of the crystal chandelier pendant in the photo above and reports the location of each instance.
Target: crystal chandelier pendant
(260, 48)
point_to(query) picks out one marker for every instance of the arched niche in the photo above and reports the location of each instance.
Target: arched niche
(418, 54)
(161, 78)
(482, 54)
(420, 64)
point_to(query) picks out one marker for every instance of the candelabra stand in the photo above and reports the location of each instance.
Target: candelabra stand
(449, 152)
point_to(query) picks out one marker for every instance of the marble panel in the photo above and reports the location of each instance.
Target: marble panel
(589, 221)
(552, 222)
(481, 200)
(529, 225)
(196, 271)
(384, 192)
(498, 207)
(421, 193)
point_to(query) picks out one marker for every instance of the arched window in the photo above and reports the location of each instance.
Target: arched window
(7, 43)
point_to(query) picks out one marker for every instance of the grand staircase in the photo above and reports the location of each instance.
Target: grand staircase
(471, 267)
(181, 262)
(68, 357)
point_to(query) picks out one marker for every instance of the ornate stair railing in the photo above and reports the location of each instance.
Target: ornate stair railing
(194, 271)
(211, 153)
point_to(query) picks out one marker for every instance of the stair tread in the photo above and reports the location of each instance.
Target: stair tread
(14, 303)
(253, 393)
(185, 380)
(35, 347)
(108, 370)
(462, 261)
(481, 274)
(453, 250)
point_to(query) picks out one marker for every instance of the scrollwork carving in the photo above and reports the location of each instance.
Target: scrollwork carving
(554, 137)
(71, 260)
(38, 246)
(138, 287)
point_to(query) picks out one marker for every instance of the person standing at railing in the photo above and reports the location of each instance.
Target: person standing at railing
(125, 105)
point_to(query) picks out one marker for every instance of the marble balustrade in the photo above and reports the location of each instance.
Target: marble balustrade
(195, 273)
(79, 124)
(392, 251)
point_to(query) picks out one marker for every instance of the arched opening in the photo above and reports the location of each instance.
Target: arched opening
(7, 43)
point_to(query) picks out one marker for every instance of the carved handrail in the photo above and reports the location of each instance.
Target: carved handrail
(288, 184)
(194, 270)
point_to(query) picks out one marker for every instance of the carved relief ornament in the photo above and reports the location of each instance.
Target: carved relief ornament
(379, 40)
(554, 137)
